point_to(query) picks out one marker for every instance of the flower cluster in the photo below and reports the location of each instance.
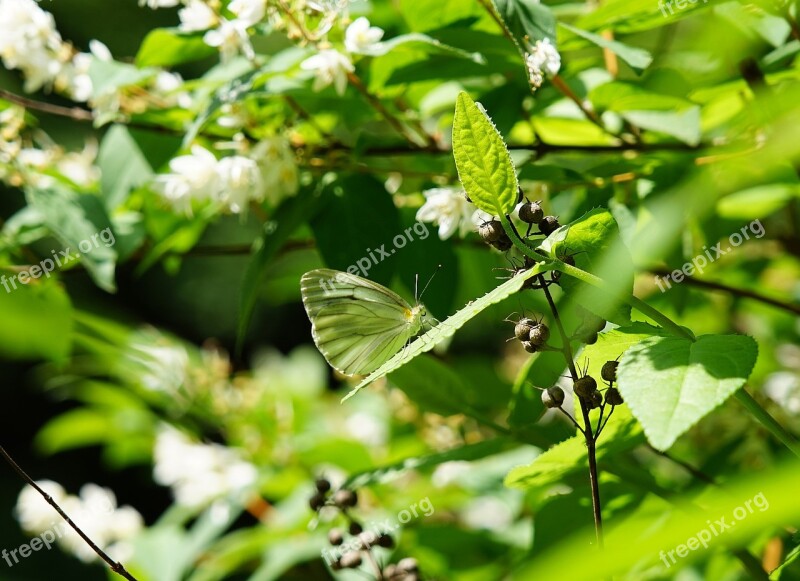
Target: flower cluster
(94, 510)
(268, 172)
(199, 474)
(229, 34)
(331, 67)
(542, 58)
(30, 42)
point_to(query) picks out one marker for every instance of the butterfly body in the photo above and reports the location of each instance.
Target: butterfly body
(357, 324)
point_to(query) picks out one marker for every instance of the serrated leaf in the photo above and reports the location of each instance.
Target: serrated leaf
(448, 327)
(638, 58)
(482, 159)
(570, 456)
(671, 383)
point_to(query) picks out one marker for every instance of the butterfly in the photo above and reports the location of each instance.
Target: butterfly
(358, 324)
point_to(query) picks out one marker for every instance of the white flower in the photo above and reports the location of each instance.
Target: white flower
(158, 367)
(197, 15)
(230, 38)
(488, 512)
(362, 38)
(450, 473)
(542, 58)
(155, 4)
(367, 428)
(240, 180)
(168, 86)
(783, 387)
(449, 209)
(331, 68)
(33, 512)
(199, 473)
(193, 177)
(279, 173)
(249, 11)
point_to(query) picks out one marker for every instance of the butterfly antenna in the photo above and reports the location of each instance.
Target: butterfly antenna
(416, 287)
(429, 282)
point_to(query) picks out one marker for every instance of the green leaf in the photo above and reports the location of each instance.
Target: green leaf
(671, 383)
(527, 18)
(482, 159)
(757, 202)
(287, 218)
(430, 44)
(123, 166)
(36, 320)
(392, 471)
(684, 125)
(541, 370)
(593, 242)
(638, 58)
(433, 14)
(75, 429)
(570, 456)
(448, 327)
(77, 222)
(358, 216)
(433, 386)
(166, 47)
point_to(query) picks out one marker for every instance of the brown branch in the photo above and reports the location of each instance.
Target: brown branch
(115, 566)
(77, 113)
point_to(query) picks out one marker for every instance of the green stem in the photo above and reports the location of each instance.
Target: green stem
(768, 421)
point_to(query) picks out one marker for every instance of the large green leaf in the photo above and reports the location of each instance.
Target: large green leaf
(527, 20)
(484, 164)
(36, 320)
(166, 47)
(671, 383)
(448, 327)
(593, 242)
(123, 166)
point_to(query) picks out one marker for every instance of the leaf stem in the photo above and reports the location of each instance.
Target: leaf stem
(115, 566)
(769, 423)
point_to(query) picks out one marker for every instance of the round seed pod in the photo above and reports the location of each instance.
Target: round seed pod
(553, 397)
(585, 386)
(591, 338)
(317, 501)
(322, 485)
(523, 328)
(548, 225)
(595, 400)
(539, 334)
(491, 231)
(345, 498)
(335, 537)
(355, 528)
(503, 243)
(614, 397)
(389, 571)
(368, 538)
(609, 371)
(531, 213)
(408, 565)
(350, 560)
(530, 347)
(386, 541)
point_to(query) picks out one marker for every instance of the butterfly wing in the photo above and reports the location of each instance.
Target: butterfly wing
(356, 324)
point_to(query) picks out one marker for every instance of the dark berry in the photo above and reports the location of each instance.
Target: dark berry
(539, 334)
(335, 537)
(595, 399)
(531, 213)
(491, 231)
(390, 571)
(345, 498)
(386, 541)
(317, 501)
(553, 397)
(368, 539)
(609, 371)
(355, 528)
(591, 338)
(530, 347)
(350, 560)
(408, 565)
(614, 397)
(585, 386)
(548, 225)
(503, 243)
(523, 328)
(323, 485)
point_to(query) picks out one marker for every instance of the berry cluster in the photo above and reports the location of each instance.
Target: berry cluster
(355, 544)
(532, 334)
(531, 213)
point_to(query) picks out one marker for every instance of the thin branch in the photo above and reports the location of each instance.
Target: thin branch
(573, 420)
(114, 565)
(77, 113)
(739, 292)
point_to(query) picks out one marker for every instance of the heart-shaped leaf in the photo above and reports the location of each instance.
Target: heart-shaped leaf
(671, 383)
